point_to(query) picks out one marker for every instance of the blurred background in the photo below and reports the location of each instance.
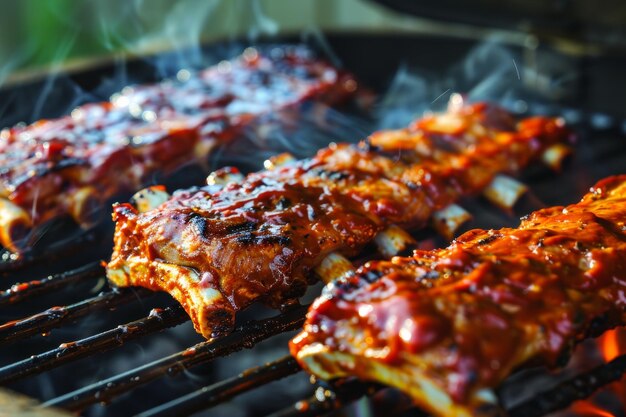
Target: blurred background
(36, 33)
(566, 51)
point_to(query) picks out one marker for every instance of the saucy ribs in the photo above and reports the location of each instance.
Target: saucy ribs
(447, 326)
(71, 165)
(217, 250)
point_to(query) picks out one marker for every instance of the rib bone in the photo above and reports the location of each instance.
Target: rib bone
(505, 191)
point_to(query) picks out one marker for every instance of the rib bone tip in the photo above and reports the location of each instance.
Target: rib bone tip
(505, 191)
(555, 155)
(278, 160)
(449, 219)
(333, 267)
(224, 176)
(15, 226)
(149, 198)
(393, 240)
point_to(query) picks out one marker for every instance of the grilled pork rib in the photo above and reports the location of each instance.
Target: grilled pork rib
(448, 325)
(73, 164)
(218, 250)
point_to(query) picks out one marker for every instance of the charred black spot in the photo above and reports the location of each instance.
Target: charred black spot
(198, 223)
(295, 289)
(472, 376)
(412, 185)
(565, 354)
(371, 275)
(611, 228)
(488, 239)
(344, 285)
(283, 203)
(66, 163)
(445, 143)
(220, 321)
(246, 238)
(406, 252)
(332, 175)
(241, 227)
(367, 146)
(579, 317)
(338, 175)
(272, 239)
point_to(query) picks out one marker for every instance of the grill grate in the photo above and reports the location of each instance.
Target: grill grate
(28, 290)
(600, 153)
(577, 388)
(244, 336)
(70, 351)
(224, 390)
(325, 401)
(56, 316)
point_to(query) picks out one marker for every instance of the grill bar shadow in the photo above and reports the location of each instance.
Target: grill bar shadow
(27, 290)
(219, 392)
(577, 388)
(557, 398)
(158, 320)
(325, 401)
(244, 336)
(56, 316)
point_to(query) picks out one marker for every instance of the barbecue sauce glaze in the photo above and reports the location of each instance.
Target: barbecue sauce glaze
(259, 239)
(471, 313)
(119, 146)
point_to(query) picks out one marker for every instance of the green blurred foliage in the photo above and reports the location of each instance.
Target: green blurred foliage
(37, 33)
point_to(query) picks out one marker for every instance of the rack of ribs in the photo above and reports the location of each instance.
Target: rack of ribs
(448, 326)
(216, 249)
(72, 165)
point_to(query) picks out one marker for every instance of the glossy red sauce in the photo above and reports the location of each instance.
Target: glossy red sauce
(261, 237)
(119, 145)
(491, 301)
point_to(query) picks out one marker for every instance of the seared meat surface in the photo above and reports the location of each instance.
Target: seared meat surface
(447, 326)
(70, 165)
(217, 250)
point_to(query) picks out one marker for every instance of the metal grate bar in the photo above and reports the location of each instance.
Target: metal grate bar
(324, 400)
(10, 262)
(217, 393)
(577, 388)
(28, 290)
(56, 316)
(245, 336)
(158, 320)
(554, 399)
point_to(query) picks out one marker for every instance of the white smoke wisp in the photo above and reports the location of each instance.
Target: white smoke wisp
(491, 71)
(167, 36)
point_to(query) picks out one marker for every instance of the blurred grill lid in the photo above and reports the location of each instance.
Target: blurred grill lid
(601, 22)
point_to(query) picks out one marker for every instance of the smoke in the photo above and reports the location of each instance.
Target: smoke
(167, 36)
(299, 131)
(491, 71)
